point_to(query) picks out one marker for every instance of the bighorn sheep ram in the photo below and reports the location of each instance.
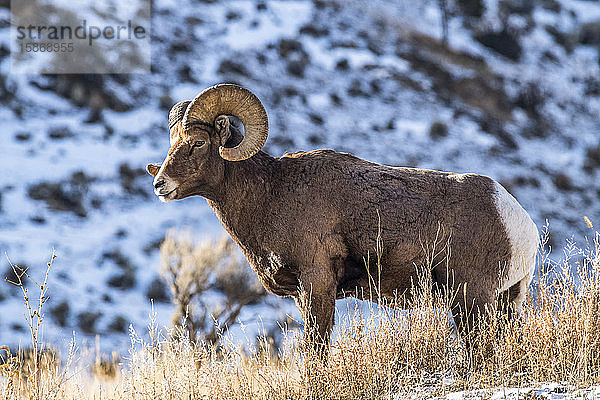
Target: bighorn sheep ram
(307, 221)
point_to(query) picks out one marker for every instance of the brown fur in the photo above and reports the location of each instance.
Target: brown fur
(307, 221)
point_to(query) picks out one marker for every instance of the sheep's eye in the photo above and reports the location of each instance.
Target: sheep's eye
(197, 143)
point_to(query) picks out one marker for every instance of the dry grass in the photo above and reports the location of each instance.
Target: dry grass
(379, 354)
(558, 338)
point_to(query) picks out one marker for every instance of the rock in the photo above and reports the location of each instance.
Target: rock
(438, 130)
(94, 116)
(60, 313)
(592, 86)
(123, 281)
(290, 91)
(316, 119)
(566, 40)
(526, 181)
(126, 279)
(153, 245)
(296, 68)
(193, 21)
(129, 177)
(157, 291)
(521, 7)
(165, 102)
(180, 46)
(562, 182)
(495, 128)
(36, 219)
(356, 90)
(375, 47)
(23, 136)
(550, 56)
(86, 90)
(589, 34)
(471, 8)
(335, 99)
(537, 127)
(342, 65)
(531, 99)
(297, 58)
(315, 139)
(503, 42)
(60, 132)
(87, 321)
(551, 5)
(118, 258)
(121, 233)
(7, 94)
(66, 195)
(314, 31)
(118, 325)
(186, 74)
(592, 159)
(289, 46)
(284, 143)
(233, 15)
(232, 67)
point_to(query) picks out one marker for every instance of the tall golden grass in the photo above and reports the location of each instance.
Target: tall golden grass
(379, 354)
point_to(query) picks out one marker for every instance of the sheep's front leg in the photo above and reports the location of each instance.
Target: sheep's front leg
(316, 301)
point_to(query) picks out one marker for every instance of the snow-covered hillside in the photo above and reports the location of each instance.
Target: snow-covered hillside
(515, 95)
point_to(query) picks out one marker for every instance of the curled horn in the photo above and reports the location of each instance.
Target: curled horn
(229, 99)
(177, 112)
(175, 116)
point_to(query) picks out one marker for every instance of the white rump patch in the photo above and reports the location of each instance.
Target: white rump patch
(522, 235)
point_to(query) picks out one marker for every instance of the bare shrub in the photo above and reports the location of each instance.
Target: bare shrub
(34, 372)
(197, 273)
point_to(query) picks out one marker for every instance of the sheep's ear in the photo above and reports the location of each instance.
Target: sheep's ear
(152, 169)
(222, 128)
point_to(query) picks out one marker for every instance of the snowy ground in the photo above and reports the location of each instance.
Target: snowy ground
(550, 391)
(368, 77)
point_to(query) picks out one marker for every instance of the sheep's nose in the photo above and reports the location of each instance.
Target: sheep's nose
(159, 183)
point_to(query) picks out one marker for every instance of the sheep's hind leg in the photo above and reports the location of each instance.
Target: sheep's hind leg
(510, 303)
(468, 311)
(511, 300)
